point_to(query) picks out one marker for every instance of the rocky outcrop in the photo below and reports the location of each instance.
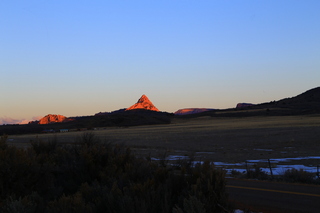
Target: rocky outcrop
(143, 103)
(188, 111)
(48, 119)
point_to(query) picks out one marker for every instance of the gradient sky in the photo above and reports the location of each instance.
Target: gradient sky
(78, 58)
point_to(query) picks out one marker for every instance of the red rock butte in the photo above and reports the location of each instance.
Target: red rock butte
(52, 119)
(143, 103)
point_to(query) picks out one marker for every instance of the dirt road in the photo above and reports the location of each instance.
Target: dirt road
(267, 197)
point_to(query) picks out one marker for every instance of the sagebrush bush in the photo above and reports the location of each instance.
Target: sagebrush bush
(93, 176)
(3, 140)
(40, 146)
(300, 176)
(257, 173)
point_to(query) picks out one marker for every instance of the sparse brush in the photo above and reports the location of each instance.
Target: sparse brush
(3, 141)
(40, 146)
(88, 139)
(27, 204)
(257, 173)
(300, 176)
(236, 174)
(191, 204)
(98, 177)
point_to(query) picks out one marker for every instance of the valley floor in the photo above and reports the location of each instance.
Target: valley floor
(232, 141)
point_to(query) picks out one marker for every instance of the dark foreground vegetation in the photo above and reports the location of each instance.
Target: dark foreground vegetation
(95, 176)
(290, 175)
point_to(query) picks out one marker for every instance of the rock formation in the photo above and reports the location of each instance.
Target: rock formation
(188, 111)
(143, 103)
(242, 105)
(53, 119)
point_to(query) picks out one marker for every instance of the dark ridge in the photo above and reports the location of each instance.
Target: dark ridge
(307, 103)
(119, 119)
(303, 104)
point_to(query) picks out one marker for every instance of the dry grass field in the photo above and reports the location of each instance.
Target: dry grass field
(216, 139)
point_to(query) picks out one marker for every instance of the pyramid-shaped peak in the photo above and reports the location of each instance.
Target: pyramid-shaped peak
(143, 98)
(143, 103)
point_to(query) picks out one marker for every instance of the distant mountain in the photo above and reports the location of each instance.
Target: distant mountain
(242, 105)
(143, 103)
(302, 104)
(309, 98)
(50, 118)
(306, 103)
(188, 111)
(145, 113)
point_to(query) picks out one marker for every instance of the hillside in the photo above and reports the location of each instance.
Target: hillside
(305, 103)
(188, 111)
(302, 104)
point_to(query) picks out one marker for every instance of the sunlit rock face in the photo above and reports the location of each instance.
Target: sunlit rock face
(188, 111)
(143, 103)
(52, 119)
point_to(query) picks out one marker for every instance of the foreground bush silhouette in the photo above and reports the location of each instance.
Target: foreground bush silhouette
(100, 177)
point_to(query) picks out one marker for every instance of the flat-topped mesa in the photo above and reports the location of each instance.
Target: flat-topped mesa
(143, 103)
(52, 119)
(188, 111)
(244, 105)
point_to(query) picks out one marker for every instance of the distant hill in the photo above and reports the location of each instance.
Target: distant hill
(188, 111)
(305, 103)
(242, 105)
(302, 104)
(308, 99)
(50, 118)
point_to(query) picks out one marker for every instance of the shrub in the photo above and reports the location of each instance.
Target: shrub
(40, 146)
(27, 204)
(3, 141)
(190, 205)
(301, 176)
(236, 174)
(91, 176)
(72, 203)
(88, 139)
(257, 173)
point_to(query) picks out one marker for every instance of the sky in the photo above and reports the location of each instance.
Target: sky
(77, 58)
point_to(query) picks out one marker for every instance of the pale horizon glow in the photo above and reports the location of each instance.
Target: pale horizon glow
(77, 58)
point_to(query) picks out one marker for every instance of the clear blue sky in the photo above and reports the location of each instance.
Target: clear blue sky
(81, 57)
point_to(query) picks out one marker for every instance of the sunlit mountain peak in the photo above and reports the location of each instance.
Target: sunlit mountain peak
(143, 103)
